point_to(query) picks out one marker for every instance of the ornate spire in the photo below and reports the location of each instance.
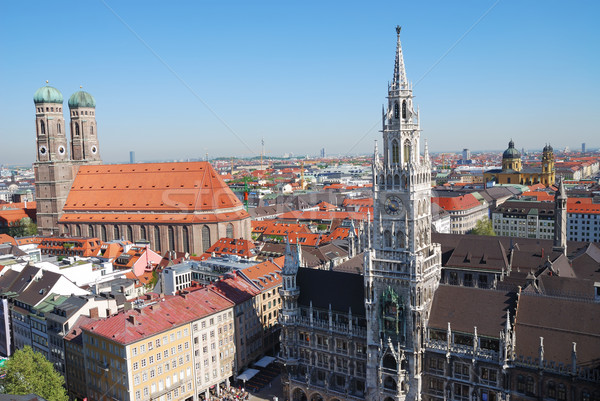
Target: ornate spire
(562, 194)
(290, 265)
(399, 81)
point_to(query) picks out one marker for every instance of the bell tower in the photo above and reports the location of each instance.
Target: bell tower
(53, 169)
(84, 135)
(402, 266)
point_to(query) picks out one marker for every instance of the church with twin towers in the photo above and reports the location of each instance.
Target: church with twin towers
(58, 159)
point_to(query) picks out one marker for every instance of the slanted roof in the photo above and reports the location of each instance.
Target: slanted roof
(235, 288)
(324, 287)
(466, 307)
(39, 289)
(560, 322)
(151, 192)
(353, 265)
(130, 326)
(265, 275)
(479, 253)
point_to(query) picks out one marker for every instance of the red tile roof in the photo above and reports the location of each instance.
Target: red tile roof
(151, 193)
(5, 238)
(130, 326)
(582, 205)
(463, 202)
(320, 215)
(235, 288)
(229, 246)
(68, 245)
(305, 239)
(325, 206)
(362, 202)
(278, 228)
(11, 213)
(539, 195)
(265, 275)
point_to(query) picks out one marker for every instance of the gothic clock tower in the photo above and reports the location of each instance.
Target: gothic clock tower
(402, 266)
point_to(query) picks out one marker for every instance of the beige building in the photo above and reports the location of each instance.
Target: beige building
(165, 348)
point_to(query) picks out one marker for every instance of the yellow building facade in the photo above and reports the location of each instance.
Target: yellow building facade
(512, 171)
(169, 348)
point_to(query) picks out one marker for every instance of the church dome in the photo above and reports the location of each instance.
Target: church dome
(81, 99)
(47, 94)
(511, 152)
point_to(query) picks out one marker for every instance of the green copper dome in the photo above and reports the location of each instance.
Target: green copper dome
(47, 94)
(81, 99)
(511, 152)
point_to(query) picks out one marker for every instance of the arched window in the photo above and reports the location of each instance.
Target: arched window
(157, 238)
(389, 362)
(387, 239)
(143, 234)
(42, 127)
(399, 239)
(229, 231)
(77, 231)
(76, 129)
(116, 233)
(205, 238)
(397, 181)
(92, 129)
(406, 152)
(396, 110)
(530, 386)
(186, 240)
(91, 230)
(58, 126)
(130, 233)
(171, 232)
(389, 383)
(103, 233)
(404, 109)
(395, 154)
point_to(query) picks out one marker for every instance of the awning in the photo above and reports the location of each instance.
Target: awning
(248, 374)
(264, 361)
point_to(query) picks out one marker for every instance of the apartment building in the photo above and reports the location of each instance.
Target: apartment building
(161, 348)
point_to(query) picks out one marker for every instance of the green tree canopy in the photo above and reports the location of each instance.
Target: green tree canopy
(23, 228)
(29, 372)
(484, 227)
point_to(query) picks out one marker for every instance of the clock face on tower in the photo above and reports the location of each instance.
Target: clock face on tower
(393, 206)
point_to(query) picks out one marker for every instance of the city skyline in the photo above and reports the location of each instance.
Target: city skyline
(177, 83)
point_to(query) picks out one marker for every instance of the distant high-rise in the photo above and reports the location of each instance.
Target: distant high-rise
(132, 157)
(322, 153)
(583, 147)
(466, 154)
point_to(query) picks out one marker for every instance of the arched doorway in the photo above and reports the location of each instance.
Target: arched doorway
(298, 395)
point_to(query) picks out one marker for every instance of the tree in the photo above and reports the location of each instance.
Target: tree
(484, 227)
(29, 372)
(23, 228)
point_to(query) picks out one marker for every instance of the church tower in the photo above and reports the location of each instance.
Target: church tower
(548, 176)
(560, 219)
(402, 266)
(53, 169)
(84, 135)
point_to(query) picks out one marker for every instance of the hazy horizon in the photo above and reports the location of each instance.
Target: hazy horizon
(178, 82)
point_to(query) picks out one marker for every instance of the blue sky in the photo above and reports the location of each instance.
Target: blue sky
(174, 80)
